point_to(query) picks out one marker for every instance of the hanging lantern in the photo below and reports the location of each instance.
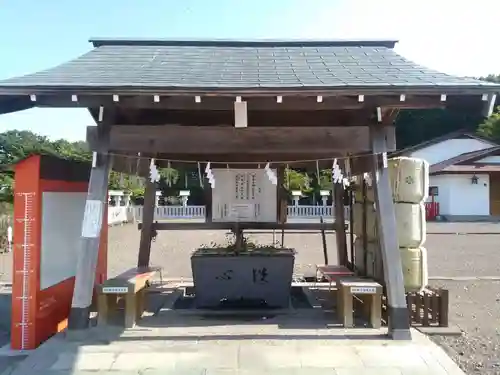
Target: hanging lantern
(474, 180)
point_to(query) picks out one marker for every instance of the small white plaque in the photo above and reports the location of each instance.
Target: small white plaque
(115, 289)
(242, 211)
(92, 219)
(363, 290)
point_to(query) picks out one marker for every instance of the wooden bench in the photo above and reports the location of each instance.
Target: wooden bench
(333, 273)
(368, 291)
(131, 285)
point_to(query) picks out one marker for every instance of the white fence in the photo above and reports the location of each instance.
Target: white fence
(118, 215)
(173, 212)
(125, 214)
(310, 211)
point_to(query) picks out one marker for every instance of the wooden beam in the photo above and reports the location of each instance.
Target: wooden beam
(229, 140)
(207, 195)
(280, 118)
(399, 323)
(390, 136)
(95, 208)
(364, 236)
(243, 226)
(340, 235)
(260, 103)
(351, 230)
(363, 163)
(148, 214)
(281, 199)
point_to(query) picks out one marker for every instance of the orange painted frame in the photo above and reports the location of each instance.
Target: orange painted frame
(46, 310)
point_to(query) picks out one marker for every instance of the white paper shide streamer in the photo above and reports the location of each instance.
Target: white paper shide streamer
(337, 176)
(154, 175)
(210, 175)
(271, 175)
(368, 179)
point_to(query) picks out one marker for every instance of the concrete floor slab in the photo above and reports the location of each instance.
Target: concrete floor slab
(329, 357)
(404, 355)
(140, 361)
(89, 362)
(238, 349)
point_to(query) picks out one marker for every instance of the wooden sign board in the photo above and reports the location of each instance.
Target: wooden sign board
(363, 290)
(114, 290)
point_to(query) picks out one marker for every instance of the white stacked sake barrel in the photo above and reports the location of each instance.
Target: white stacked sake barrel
(373, 259)
(409, 178)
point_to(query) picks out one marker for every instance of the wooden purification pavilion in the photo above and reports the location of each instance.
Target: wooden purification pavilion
(247, 102)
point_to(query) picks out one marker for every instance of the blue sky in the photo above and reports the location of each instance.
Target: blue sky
(455, 37)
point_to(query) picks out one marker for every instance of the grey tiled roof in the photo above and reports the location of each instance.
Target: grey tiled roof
(284, 65)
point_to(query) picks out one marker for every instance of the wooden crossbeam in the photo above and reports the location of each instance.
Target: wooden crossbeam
(213, 140)
(243, 226)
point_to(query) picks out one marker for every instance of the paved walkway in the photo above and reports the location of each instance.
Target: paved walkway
(193, 346)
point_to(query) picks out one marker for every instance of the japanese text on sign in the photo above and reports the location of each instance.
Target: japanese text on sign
(114, 289)
(363, 290)
(226, 275)
(260, 275)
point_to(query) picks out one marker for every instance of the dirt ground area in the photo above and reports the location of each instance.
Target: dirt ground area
(453, 254)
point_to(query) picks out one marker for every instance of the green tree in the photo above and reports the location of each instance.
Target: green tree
(169, 175)
(325, 180)
(6, 187)
(495, 78)
(295, 180)
(490, 128)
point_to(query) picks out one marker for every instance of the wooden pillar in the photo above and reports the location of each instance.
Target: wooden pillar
(338, 206)
(281, 201)
(95, 209)
(364, 228)
(207, 194)
(351, 230)
(148, 214)
(399, 323)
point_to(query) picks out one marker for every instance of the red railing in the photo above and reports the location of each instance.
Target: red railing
(431, 210)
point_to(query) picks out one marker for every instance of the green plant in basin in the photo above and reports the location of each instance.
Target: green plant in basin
(230, 247)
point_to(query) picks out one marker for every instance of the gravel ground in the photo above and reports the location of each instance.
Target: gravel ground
(451, 255)
(477, 227)
(172, 249)
(474, 304)
(475, 308)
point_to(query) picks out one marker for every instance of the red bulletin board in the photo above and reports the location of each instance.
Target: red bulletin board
(49, 195)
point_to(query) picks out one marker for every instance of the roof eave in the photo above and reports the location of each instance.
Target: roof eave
(16, 104)
(468, 89)
(366, 42)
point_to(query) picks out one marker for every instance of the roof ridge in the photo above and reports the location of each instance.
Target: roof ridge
(462, 158)
(442, 138)
(387, 43)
